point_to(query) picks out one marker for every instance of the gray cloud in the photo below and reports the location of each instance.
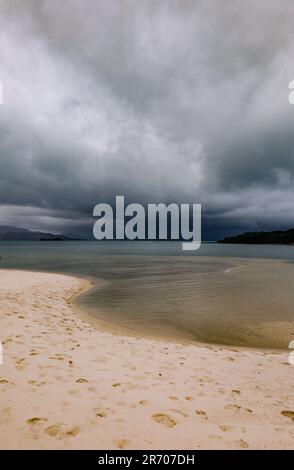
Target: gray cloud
(160, 101)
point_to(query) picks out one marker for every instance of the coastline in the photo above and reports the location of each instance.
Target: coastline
(65, 384)
(260, 332)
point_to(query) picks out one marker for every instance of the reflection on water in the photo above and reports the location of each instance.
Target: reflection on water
(224, 302)
(156, 290)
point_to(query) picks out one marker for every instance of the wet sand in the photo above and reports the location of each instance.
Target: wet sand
(65, 384)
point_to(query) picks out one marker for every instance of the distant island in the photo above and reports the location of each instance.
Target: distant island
(8, 233)
(54, 239)
(276, 237)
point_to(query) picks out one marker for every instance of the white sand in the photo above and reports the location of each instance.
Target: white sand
(67, 385)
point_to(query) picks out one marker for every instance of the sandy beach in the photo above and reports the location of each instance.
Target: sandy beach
(64, 384)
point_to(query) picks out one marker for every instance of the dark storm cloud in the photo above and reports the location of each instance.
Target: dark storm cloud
(160, 101)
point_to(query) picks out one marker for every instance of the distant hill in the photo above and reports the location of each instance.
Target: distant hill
(8, 233)
(277, 237)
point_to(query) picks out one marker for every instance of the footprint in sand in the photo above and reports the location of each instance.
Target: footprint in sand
(229, 358)
(81, 381)
(57, 431)
(57, 357)
(121, 443)
(100, 413)
(232, 407)
(36, 420)
(103, 412)
(226, 428)
(74, 431)
(20, 364)
(243, 444)
(36, 383)
(34, 353)
(202, 414)
(288, 414)
(182, 413)
(164, 419)
(53, 431)
(5, 381)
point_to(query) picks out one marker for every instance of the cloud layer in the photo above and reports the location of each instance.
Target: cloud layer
(159, 101)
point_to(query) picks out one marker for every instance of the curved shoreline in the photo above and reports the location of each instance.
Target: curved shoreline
(117, 330)
(127, 332)
(66, 385)
(262, 332)
(111, 328)
(263, 340)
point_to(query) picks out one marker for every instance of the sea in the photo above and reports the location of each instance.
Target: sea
(230, 295)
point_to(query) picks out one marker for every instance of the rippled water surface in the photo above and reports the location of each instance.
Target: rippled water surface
(224, 294)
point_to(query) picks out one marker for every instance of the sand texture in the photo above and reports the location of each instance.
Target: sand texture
(66, 385)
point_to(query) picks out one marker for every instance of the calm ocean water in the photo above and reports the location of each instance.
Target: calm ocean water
(223, 294)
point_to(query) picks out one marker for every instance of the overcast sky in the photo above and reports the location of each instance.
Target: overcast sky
(157, 100)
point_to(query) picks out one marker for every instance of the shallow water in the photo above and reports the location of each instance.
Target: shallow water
(223, 294)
